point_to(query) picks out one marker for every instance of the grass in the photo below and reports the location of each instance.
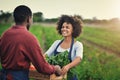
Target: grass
(96, 64)
(3, 27)
(102, 37)
(37, 30)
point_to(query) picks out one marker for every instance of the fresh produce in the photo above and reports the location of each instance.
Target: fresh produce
(61, 59)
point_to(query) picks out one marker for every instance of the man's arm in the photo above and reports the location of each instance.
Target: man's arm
(36, 57)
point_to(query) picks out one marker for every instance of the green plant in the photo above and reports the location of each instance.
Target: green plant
(60, 59)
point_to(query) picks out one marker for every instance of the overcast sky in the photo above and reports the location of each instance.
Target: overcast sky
(102, 9)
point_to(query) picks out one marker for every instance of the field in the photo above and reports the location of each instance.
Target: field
(101, 59)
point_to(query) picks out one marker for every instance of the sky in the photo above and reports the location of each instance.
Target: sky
(101, 9)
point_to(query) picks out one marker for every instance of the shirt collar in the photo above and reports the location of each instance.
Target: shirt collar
(19, 27)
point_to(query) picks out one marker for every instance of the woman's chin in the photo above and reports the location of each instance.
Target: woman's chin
(64, 35)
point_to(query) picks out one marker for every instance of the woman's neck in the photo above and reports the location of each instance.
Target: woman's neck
(66, 43)
(68, 39)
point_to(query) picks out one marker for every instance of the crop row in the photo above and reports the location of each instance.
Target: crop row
(96, 64)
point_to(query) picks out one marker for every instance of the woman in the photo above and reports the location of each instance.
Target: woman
(69, 27)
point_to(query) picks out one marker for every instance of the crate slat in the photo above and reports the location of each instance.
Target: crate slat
(38, 76)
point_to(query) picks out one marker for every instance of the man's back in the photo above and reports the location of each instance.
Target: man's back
(18, 48)
(13, 47)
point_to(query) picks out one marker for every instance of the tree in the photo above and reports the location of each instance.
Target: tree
(5, 16)
(38, 17)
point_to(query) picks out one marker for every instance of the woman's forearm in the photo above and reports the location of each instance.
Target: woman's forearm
(75, 62)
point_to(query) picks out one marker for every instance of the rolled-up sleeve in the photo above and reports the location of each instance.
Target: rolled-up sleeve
(36, 57)
(79, 50)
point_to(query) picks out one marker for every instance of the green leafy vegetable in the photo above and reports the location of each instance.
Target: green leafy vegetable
(61, 59)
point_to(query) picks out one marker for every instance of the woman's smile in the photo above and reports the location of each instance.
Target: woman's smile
(66, 29)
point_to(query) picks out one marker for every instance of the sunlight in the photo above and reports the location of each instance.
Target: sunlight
(116, 8)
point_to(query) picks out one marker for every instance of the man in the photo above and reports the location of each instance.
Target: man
(18, 47)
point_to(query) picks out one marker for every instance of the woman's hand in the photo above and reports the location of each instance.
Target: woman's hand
(65, 69)
(74, 63)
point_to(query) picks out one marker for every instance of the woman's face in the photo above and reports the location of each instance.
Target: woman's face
(67, 29)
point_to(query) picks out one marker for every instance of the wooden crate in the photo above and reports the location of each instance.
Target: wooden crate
(38, 76)
(54, 77)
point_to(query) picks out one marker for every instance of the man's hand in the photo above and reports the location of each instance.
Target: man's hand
(57, 70)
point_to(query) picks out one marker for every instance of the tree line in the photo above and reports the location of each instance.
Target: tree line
(6, 17)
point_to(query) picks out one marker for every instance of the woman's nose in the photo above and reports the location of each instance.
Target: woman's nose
(64, 28)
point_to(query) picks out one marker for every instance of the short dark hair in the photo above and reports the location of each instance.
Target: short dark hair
(21, 13)
(76, 24)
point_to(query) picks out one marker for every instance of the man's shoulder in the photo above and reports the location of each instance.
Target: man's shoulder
(30, 35)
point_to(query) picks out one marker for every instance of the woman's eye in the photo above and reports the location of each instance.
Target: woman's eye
(67, 27)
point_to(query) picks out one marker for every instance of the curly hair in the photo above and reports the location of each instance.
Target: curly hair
(76, 24)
